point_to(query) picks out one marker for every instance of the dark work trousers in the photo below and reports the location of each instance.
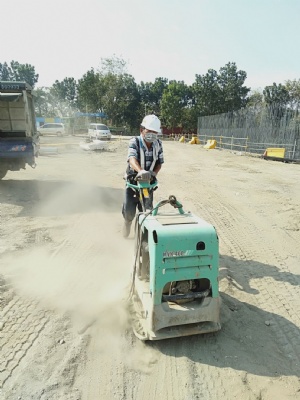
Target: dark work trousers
(131, 202)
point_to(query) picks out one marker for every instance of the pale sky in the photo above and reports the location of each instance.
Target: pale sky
(173, 39)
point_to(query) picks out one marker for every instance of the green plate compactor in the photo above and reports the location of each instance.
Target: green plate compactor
(174, 289)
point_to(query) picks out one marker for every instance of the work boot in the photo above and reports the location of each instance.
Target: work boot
(126, 228)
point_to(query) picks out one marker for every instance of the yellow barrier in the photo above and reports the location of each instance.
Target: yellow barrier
(194, 140)
(274, 152)
(211, 144)
(182, 139)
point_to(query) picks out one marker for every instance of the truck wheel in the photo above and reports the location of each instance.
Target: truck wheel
(3, 172)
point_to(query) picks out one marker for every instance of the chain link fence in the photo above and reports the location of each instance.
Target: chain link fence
(254, 130)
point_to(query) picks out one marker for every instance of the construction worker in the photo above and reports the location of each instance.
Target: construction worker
(145, 158)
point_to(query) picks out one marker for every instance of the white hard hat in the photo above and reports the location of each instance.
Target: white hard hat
(152, 123)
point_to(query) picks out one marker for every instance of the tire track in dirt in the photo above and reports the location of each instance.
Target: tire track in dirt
(22, 324)
(175, 374)
(202, 379)
(247, 247)
(167, 375)
(252, 245)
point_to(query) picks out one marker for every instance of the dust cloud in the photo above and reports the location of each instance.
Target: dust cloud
(84, 271)
(59, 198)
(92, 293)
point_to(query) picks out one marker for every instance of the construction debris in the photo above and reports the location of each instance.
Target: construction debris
(94, 145)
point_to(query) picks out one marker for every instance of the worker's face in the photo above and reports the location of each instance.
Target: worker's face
(149, 136)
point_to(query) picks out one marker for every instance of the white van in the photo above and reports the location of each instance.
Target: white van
(99, 131)
(51, 129)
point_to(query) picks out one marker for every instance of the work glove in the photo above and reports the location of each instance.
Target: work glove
(153, 177)
(144, 175)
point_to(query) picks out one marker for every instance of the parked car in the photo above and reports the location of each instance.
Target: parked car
(51, 129)
(99, 131)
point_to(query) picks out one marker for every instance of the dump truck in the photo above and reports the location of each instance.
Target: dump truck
(19, 139)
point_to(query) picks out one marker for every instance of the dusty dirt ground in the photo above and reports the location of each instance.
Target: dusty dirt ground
(65, 269)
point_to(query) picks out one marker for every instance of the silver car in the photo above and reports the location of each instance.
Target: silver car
(51, 129)
(99, 131)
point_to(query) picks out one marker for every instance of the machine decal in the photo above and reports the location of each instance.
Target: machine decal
(174, 253)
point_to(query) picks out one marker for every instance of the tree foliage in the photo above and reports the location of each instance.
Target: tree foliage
(293, 88)
(5, 72)
(18, 72)
(114, 92)
(255, 99)
(66, 90)
(151, 95)
(174, 101)
(46, 104)
(217, 93)
(231, 82)
(276, 95)
(90, 92)
(58, 100)
(207, 93)
(120, 98)
(277, 98)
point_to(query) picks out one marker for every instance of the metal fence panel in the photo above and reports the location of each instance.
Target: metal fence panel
(259, 127)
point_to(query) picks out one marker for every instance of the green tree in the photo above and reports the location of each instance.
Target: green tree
(216, 93)
(255, 99)
(174, 101)
(231, 82)
(120, 99)
(46, 105)
(189, 119)
(25, 72)
(90, 92)
(276, 95)
(151, 95)
(66, 91)
(40, 102)
(255, 109)
(276, 98)
(115, 95)
(207, 93)
(5, 72)
(293, 88)
(18, 72)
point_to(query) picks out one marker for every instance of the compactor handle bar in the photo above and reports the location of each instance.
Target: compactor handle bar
(142, 185)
